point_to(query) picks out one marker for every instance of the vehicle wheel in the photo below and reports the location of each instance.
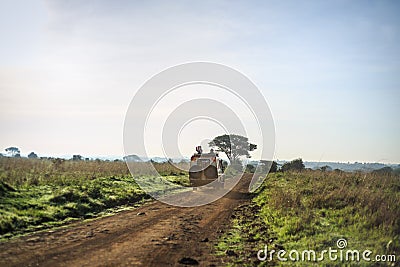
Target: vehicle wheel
(211, 172)
(195, 172)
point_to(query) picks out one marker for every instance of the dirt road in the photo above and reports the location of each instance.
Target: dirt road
(153, 235)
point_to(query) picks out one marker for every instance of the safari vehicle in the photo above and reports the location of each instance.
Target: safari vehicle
(206, 168)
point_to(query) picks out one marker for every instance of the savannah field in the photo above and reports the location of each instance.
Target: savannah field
(41, 193)
(292, 210)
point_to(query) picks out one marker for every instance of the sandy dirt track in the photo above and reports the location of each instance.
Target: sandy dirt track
(154, 234)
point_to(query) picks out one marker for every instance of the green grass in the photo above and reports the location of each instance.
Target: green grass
(37, 194)
(31, 207)
(312, 210)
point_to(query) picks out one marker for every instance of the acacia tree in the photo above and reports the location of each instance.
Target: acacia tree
(13, 151)
(233, 145)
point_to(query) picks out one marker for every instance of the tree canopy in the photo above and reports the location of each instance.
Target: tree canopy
(77, 157)
(32, 155)
(233, 145)
(294, 165)
(13, 151)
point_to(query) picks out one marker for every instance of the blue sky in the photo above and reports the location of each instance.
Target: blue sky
(328, 69)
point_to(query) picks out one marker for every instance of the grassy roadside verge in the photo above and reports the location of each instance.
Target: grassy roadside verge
(311, 211)
(32, 208)
(39, 194)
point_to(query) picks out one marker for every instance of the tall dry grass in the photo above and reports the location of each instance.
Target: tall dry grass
(29, 172)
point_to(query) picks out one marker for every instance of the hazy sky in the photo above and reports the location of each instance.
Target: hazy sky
(330, 71)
